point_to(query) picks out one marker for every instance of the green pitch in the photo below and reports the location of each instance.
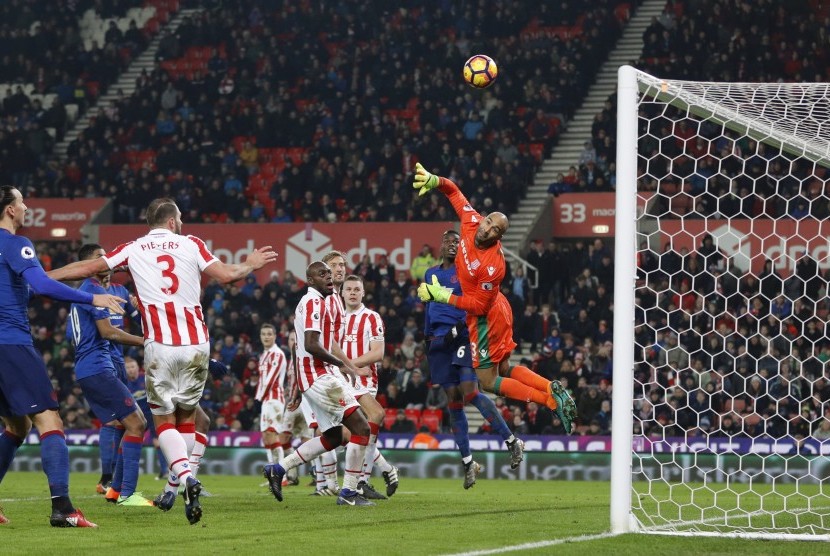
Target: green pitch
(433, 516)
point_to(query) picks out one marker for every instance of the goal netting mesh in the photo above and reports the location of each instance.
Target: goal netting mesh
(731, 427)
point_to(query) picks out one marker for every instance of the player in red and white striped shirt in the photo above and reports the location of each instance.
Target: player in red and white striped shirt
(273, 366)
(325, 391)
(363, 344)
(167, 269)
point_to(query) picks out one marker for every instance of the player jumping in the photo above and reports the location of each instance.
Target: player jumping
(481, 269)
(451, 365)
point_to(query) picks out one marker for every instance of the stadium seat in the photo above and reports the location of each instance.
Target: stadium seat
(389, 417)
(414, 415)
(432, 419)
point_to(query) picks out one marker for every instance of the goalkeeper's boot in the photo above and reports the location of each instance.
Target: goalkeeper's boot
(274, 473)
(391, 479)
(565, 406)
(517, 452)
(192, 507)
(165, 501)
(471, 471)
(368, 492)
(3, 518)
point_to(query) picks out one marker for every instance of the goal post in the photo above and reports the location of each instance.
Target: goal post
(721, 399)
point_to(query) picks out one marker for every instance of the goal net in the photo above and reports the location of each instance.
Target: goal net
(721, 306)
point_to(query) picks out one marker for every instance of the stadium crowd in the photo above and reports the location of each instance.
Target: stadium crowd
(245, 120)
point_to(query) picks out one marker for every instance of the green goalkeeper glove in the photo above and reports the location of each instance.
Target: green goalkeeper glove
(424, 181)
(434, 291)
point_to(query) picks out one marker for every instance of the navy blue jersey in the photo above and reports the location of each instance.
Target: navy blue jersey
(441, 317)
(93, 353)
(117, 320)
(17, 254)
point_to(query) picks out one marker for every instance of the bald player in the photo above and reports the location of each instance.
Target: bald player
(481, 269)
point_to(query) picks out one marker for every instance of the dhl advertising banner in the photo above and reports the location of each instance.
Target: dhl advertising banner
(57, 219)
(299, 244)
(749, 243)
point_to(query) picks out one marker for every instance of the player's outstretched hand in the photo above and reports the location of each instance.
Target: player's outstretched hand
(434, 291)
(424, 182)
(261, 257)
(111, 302)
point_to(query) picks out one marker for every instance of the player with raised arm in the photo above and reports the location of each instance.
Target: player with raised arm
(481, 269)
(364, 344)
(326, 393)
(451, 366)
(166, 267)
(26, 393)
(108, 397)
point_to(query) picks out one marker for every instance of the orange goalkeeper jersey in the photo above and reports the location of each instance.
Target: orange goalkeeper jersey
(480, 272)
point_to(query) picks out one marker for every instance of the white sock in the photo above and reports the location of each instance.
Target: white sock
(305, 453)
(175, 451)
(329, 465)
(199, 447)
(380, 462)
(355, 455)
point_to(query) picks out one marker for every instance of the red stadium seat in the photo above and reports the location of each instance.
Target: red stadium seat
(432, 419)
(414, 415)
(389, 417)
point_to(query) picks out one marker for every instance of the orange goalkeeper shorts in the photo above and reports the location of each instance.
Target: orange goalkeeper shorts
(491, 335)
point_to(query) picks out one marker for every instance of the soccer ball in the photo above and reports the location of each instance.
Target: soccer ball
(480, 71)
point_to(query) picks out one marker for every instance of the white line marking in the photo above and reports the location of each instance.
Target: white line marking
(539, 544)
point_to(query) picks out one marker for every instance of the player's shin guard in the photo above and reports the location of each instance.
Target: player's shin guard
(131, 455)
(109, 439)
(371, 448)
(490, 413)
(355, 454)
(328, 461)
(175, 450)
(54, 456)
(529, 378)
(460, 429)
(118, 470)
(9, 443)
(306, 452)
(515, 390)
(199, 447)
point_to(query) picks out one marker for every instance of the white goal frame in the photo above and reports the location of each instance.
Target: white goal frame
(702, 103)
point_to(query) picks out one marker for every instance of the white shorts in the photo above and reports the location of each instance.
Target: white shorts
(357, 389)
(330, 399)
(308, 414)
(175, 375)
(272, 417)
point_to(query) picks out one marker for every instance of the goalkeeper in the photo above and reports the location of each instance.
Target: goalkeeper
(481, 269)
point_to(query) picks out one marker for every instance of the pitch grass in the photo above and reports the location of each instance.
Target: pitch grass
(433, 516)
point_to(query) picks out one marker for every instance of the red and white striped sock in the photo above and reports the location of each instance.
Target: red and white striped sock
(175, 450)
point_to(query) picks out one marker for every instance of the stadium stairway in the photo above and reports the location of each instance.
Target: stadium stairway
(126, 82)
(567, 150)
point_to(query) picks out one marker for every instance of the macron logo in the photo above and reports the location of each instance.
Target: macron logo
(491, 270)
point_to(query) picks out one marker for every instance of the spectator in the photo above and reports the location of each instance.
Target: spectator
(402, 425)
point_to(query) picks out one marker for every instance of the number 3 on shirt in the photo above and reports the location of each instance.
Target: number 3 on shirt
(168, 273)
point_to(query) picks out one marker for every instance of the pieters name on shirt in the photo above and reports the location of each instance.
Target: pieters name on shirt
(163, 245)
